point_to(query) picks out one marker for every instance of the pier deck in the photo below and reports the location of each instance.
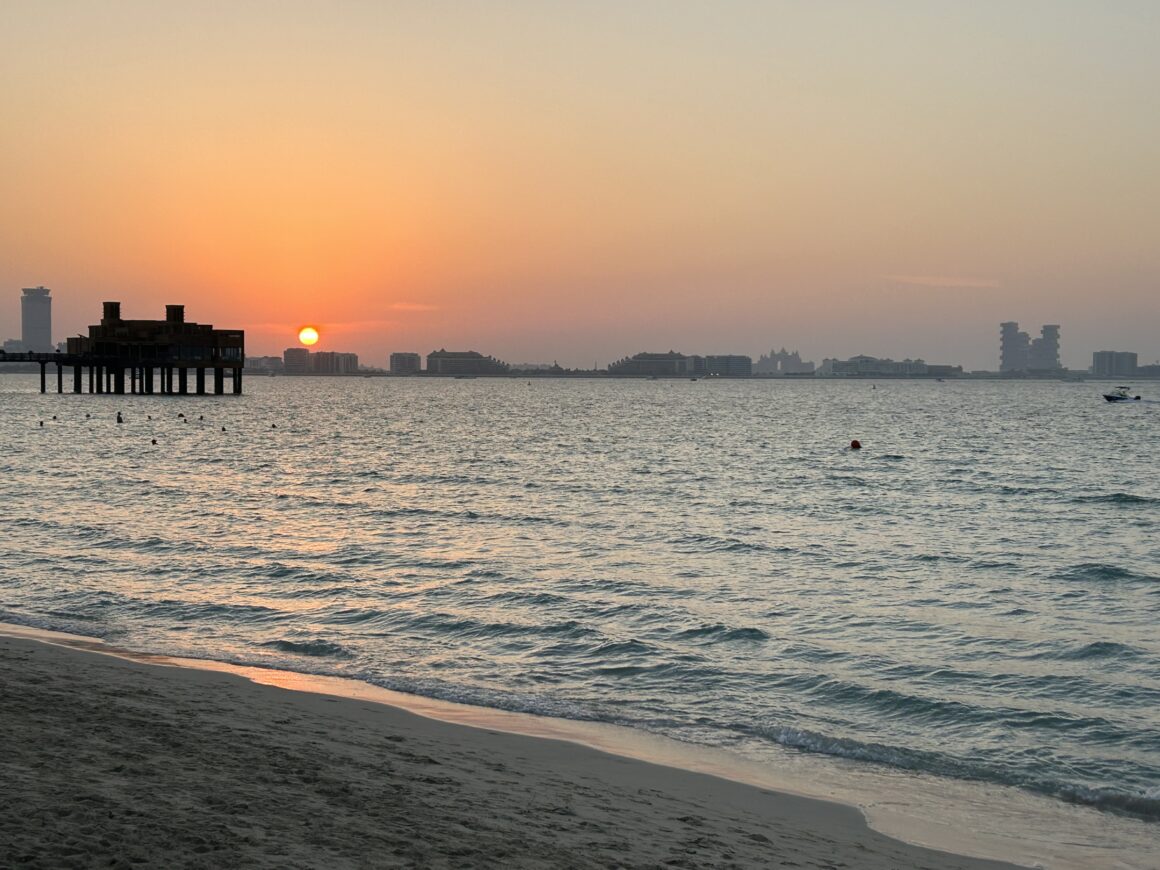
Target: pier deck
(124, 375)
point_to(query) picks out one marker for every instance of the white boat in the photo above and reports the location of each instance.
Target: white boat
(1121, 394)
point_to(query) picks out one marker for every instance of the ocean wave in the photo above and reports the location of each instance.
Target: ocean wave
(355, 616)
(1103, 572)
(1144, 804)
(319, 648)
(60, 621)
(620, 648)
(713, 544)
(1125, 499)
(209, 611)
(723, 634)
(1102, 649)
(297, 573)
(938, 557)
(889, 702)
(537, 599)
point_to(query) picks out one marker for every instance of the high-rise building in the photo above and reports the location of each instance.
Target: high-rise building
(36, 320)
(296, 361)
(329, 362)
(1114, 364)
(1018, 353)
(406, 363)
(1014, 347)
(1044, 353)
(729, 366)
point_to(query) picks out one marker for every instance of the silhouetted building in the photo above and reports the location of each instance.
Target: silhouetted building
(36, 320)
(171, 340)
(1014, 347)
(328, 362)
(1114, 364)
(1019, 353)
(406, 363)
(296, 361)
(271, 365)
(464, 362)
(654, 365)
(1044, 353)
(729, 366)
(782, 362)
(943, 371)
(868, 366)
(172, 346)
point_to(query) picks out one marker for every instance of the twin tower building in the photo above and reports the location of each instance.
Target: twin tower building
(1019, 352)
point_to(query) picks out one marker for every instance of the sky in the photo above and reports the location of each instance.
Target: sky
(578, 182)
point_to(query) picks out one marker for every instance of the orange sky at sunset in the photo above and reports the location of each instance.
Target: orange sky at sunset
(581, 182)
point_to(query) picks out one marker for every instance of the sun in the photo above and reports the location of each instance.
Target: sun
(308, 335)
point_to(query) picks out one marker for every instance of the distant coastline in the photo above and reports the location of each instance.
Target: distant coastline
(600, 374)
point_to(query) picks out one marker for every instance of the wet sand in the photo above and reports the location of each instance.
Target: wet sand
(114, 763)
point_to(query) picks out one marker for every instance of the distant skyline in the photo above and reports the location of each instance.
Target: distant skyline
(577, 183)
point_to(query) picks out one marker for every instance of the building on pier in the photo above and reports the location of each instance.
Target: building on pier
(117, 349)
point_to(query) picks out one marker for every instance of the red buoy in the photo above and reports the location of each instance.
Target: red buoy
(855, 444)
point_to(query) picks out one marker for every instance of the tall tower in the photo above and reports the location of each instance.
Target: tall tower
(1045, 349)
(36, 320)
(1013, 348)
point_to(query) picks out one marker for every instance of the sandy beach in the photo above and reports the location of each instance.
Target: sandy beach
(114, 763)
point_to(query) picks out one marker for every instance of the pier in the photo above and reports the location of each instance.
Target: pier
(145, 357)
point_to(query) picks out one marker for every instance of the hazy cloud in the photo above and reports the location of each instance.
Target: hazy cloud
(948, 281)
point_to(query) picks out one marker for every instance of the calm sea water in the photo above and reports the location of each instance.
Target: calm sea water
(973, 595)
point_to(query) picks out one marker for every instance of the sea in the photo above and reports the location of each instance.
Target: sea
(971, 600)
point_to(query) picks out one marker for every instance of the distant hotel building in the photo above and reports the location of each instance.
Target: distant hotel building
(653, 365)
(300, 361)
(36, 320)
(676, 365)
(464, 362)
(406, 363)
(327, 362)
(1019, 353)
(296, 361)
(729, 366)
(264, 364)
(868, 366)
(782, 362)
(1114, 364)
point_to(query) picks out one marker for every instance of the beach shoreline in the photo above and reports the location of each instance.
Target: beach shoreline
(112, 762)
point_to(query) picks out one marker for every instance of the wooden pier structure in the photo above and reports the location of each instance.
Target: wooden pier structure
(143, 357)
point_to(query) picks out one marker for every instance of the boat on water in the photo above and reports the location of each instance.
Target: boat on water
(1121, 394)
